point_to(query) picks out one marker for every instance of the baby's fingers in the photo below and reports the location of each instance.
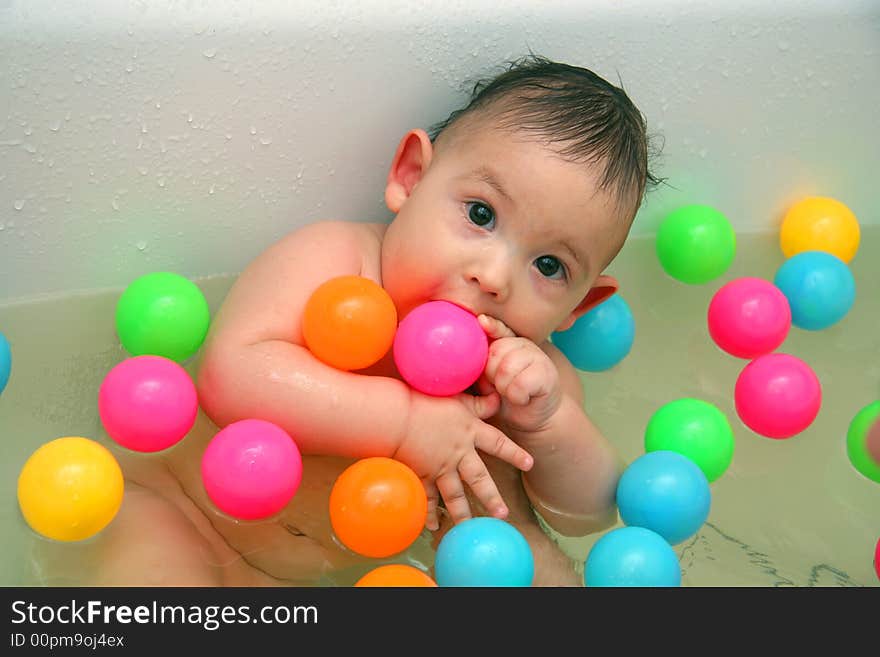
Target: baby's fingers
(495, 442)
(474, 473)
(495, 328)
(432, 519)
(454, 497)
(482, 406)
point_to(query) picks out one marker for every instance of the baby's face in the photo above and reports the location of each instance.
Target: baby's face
(502, 225)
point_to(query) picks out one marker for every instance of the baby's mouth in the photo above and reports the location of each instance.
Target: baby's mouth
(463, 306)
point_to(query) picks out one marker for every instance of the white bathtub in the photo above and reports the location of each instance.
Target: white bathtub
(187, 136)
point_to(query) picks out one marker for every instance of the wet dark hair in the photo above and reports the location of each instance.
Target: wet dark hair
(589, 119)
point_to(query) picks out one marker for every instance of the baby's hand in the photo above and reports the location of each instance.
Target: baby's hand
(523, 375)
(440, 445)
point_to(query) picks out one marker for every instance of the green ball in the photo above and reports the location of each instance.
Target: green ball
(696, 429)
(162, 314)
(855, 441)
(696, 244)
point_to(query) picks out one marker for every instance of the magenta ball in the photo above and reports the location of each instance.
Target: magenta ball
(749, 317)
(147, 403)
(440, 349)
(777, 395)
(251, 469)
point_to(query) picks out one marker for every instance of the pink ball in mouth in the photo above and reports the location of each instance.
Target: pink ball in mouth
(440, 348)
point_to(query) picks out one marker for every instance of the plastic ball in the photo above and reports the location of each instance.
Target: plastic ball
(440, 348)
(163, 314)
(819, 223)
(877, 559)
(600, 338)
(70, 489)
(819, 287)
(856, 438)
(749, 317)
(396, 575)
(5, 362)
(696, 429)
(251, 469)
(484, 551)
(777, 395)
(665, 492)
(349, 322)
(147, 403)
(696, 244)
(632, 556)
(872, 441)
(378, 507)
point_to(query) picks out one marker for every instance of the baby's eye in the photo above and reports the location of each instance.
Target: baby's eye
(550, 267)
(480, 214)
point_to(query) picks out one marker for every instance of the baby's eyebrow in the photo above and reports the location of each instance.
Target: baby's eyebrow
(486, 175)
(583, 262)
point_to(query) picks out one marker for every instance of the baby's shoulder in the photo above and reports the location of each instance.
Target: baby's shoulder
(354, 238)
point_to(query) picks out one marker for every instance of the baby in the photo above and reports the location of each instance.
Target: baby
(512, 208)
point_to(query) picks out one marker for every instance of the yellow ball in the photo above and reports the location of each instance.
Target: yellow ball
(818, 223)
(70, 489)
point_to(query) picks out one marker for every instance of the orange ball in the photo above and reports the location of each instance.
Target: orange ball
(818, 223)
(378, 507)
(396, 574)
(349, 322)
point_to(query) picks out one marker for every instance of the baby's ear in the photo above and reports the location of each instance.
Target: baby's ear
(604, 287)
(410, 162)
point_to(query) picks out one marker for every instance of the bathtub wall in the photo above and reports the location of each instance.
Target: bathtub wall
(187, 136)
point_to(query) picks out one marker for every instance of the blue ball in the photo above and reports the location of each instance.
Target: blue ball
(600, 338)
(632, 556)
(5, 361)
(484, 552)
(819, 287)
(665, 492)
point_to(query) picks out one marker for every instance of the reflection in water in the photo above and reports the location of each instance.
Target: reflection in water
(714, 558)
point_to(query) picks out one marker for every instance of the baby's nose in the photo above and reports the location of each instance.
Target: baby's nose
(491, 274)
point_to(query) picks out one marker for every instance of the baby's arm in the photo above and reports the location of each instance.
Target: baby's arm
(255, 364)
(574, 478)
